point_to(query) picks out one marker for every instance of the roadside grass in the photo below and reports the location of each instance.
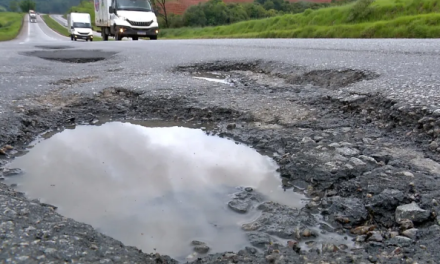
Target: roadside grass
(10, 25)
(57, 27)
(361, 19)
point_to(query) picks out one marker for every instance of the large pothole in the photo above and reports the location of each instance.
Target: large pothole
(295, 75)
(174, 190)
(72, 56)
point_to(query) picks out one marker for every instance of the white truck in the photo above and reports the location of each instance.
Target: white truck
(32, 16)
(79, 26)
(126, 18)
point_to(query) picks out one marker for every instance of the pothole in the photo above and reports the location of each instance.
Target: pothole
(294, 75)
(173, 190)
(72, 56)
(331, 78)
(53, 47)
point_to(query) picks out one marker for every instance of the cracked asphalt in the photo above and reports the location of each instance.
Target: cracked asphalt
(354, 125)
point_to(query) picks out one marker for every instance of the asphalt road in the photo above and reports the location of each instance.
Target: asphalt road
(42, 86)
(408, 68)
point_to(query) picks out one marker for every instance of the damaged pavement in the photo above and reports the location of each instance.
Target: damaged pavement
(367, 159)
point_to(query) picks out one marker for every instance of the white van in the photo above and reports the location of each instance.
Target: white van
(126, 18)
(80, 26)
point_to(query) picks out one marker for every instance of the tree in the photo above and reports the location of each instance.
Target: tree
(26, 5)
(160, 7)
(13, 6)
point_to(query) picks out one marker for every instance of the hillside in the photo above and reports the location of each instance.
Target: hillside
(362, 19)
(180, 6)
(48, 6)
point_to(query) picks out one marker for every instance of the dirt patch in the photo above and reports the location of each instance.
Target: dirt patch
(72, 81)
(72, 56)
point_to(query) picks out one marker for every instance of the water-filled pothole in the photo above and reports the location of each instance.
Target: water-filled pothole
(212, 77)
(154, 188)
(72, 56)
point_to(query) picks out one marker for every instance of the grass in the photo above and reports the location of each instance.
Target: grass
(57, 27)
(362, 19)
(10, 25)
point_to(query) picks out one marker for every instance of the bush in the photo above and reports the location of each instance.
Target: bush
(216, 12)
(383, 19)
(360, 10)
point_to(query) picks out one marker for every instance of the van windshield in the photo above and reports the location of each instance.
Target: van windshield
(81, 25)
(133, 5)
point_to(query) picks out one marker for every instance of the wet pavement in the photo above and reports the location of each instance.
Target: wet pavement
(353, 125)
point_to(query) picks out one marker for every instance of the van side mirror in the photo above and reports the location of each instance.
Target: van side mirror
(111, 10)
(71, 27)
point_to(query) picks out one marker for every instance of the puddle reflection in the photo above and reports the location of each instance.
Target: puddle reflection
(153, 188)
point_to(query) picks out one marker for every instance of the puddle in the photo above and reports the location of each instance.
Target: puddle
(212, 77)
(156, 188)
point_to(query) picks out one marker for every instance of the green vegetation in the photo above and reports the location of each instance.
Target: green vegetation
(3, 9)
(26, 5)
(23, 5)
(216, 12)
(10, 25)
(361, 19)
(42, 6)
(54, 25)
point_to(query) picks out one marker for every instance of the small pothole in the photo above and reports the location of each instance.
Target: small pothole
(72, 56)
(55, 47)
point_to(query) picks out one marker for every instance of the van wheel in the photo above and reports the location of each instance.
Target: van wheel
(104, 34)
(135, 38)
(118, 36)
